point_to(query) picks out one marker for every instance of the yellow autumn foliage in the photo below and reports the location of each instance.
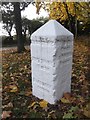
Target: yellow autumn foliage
(62, 10)
(32, 104)
(43, 103)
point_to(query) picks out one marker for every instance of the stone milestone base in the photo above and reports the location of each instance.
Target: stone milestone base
(51, 56)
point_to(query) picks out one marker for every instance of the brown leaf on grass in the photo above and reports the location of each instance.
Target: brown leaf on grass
(68, 98)
(26, 81)
(82, 78)
(13, 88)
(74, 77)
(8, 105)
(81, 99)
(6, 98)
(1, 76)
(28, 92)
(52, 114)
(6, 89)
(32, 105)
(43, 103)
(53, 111)
(25, 67)
(63, 100)
(6, 114)
(86, 111)
(6, 66)
(24, 75)
(67, 95)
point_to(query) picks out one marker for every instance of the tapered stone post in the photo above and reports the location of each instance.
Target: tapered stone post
(51, 55)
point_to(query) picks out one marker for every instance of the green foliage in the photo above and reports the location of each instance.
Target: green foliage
(35, 115)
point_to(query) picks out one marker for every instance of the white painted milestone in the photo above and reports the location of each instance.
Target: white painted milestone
(51, 55)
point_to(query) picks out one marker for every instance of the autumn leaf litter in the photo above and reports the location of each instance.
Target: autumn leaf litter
(17, 98)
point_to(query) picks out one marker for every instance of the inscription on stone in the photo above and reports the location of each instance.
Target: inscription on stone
(51, 54)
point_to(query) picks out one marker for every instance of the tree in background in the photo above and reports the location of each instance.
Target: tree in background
(16, 13)
(18, 25)
(8, 18)
(25, 23)
(11, 13)
(32, 25)
(70, 14)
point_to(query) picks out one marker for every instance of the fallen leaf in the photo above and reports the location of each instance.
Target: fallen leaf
(74, 77)
(86, 111)
(32, 104)
(6, 114)
(13, 88)
(6, 98)
(1, 76)
(8, 105)
(52, 112)
(67, 95)
(43, 103)
(81, 99)
(63, 100)
(25, 66)
(6, 66)
(28, 93)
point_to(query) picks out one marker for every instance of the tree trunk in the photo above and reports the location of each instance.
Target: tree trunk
(9, 33)
(69, 16)
(18, 25)
(10, 37)
(75, 28)
(75, 20)
(24, 35)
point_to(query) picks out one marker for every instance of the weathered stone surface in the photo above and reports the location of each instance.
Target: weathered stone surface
(51, 54)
